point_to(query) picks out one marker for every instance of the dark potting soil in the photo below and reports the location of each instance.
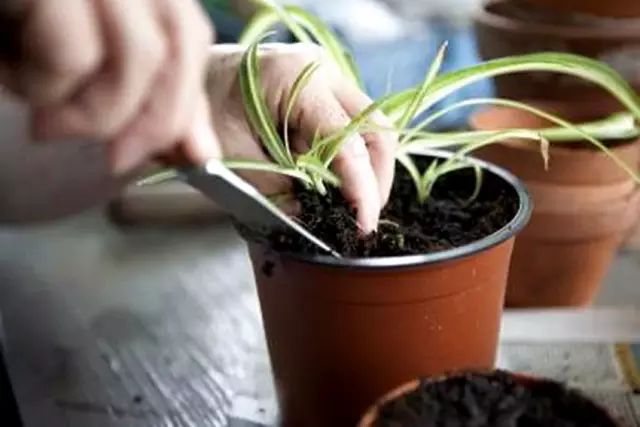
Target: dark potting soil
(492, 400)
(446, 220)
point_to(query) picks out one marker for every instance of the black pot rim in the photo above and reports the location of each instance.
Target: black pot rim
(513, 227)
(620, 28)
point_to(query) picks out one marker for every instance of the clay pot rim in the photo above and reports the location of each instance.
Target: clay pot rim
(371, 415)
(623, 28)
(509, 230)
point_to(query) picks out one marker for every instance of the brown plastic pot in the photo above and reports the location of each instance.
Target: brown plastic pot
(341, 332)
(609, 8)
(584, 204)
(371, 416)
(505, 28)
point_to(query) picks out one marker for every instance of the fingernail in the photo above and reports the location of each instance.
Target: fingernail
(204, 142)
(368, 222)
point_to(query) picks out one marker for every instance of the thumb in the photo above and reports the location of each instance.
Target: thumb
(201, 143)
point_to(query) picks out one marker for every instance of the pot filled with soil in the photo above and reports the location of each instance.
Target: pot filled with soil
(486, 399)
(584, 205)
(422, 296)
(510, 28)
(609, 9)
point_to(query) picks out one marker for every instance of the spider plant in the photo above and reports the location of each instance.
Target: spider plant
(313, 167)
(308, 168)
(404, 107)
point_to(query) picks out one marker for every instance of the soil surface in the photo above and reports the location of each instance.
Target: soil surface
(446, 220)
(492, 400)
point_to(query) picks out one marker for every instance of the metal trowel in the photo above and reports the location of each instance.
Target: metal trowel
(246, 204)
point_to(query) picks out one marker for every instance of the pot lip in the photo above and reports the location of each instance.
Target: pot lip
(373, 411)
(509, 230)
(623, 28)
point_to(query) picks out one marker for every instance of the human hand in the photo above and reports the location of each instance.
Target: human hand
(127, 72)
(365, 163)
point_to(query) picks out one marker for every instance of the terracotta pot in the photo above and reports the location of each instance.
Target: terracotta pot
(371, 415)
(505, 28)
(609, 8)
(341, 332)
(584, 204)
(632, 241)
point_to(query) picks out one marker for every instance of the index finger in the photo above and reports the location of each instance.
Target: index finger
(381, 143)
(322, 112)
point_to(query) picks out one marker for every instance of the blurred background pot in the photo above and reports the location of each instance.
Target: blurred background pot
(632, 240)
(341, 332)
(584, 205)
(506, 28)
(608, 8)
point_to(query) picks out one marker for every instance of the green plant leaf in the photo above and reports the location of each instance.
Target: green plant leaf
(316, 146)
(572, 130)
(266, 18)
(413, 171)
(159, 177)
(315, 166)
(330, 146)
(294, 94)
(288, 20)
(586, 68)
(498, 137)
(256, 108)
(412, 108)
(261, 23)
(263, 166)
(460, 161)
(619, 126)
(616, 126)
(479, 175)
(430, 177)
(427, 180)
